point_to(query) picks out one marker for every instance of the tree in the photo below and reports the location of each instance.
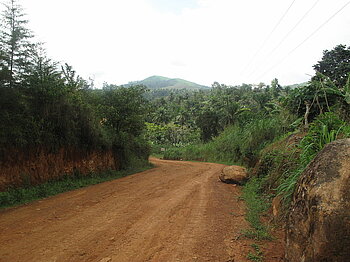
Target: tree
(208, 122)
(276, 88)
(335, 64)
(16, 48)
(124, 109)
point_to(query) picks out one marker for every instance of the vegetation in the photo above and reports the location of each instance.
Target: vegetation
(256, 206)
(46, 104)
(256, 255)
(236, 144)
(335, 64)
(238, 124)
(273, 130)
(325, 129)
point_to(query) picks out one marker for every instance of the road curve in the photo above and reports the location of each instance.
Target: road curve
(178, 211)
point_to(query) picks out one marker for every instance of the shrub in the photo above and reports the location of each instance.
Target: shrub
(236, 144)
(325, 129)
(173, 153)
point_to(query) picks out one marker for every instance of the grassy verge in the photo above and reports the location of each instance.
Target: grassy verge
(19, 196)
(256, 255)
(256, 206)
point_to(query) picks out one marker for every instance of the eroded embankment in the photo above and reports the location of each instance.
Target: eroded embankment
(33, 166)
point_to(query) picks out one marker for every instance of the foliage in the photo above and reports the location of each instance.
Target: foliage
(257, 255)
(123, 109)
(171, 134)
(282, 162)
(325, 129)
(15, 48)
(209, 111)
(278, 160)
(256, 206)
(46, 104)
(327, 89)
(320, 95)
(236, 144)
(335, 64)
(174, 153)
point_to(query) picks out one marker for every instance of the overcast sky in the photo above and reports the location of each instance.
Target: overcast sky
(228, 41)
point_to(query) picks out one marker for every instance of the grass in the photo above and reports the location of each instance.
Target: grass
(256, 206)
(326, 128)
(256, 255)
(236, 144)
(157, 155)
(19, 196)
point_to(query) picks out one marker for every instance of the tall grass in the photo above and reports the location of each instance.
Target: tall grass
(236, 144)
(325, 129)
(256, 206)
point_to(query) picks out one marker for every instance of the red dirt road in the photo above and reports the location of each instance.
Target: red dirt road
(178, 211)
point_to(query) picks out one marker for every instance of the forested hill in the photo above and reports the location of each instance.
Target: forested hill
(160, 82)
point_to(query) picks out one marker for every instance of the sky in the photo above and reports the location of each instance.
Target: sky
(227, 41)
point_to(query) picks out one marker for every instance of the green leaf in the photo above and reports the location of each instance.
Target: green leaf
(347, 97)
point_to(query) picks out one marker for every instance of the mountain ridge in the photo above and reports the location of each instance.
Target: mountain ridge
(161, 82)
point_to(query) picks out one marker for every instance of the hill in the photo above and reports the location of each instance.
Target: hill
(297, 85)
(160, 82)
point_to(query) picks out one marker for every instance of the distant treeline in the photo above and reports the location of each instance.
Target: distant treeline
(206, 113)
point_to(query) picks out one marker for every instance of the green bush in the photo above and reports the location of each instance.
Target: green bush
(54, 114)
(173, 153)
(326, 128)
(236, 144)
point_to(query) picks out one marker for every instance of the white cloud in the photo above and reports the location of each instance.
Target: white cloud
(120, 41)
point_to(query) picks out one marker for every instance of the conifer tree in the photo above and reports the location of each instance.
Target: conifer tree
(16, 48)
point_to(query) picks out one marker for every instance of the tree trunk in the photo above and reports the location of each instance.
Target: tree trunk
(306, 116)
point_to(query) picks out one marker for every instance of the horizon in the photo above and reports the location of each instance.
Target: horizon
(209, 86)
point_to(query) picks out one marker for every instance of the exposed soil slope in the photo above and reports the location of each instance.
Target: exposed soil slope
(178, 211)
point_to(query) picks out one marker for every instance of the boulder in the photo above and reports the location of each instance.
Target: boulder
(318, 225)
(233, 175)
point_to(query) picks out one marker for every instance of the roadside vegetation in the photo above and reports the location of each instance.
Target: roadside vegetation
(46, 104)
(274, 131)
(256, 255)
(29, 193)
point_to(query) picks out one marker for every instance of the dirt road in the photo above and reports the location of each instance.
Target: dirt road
(178, 211)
